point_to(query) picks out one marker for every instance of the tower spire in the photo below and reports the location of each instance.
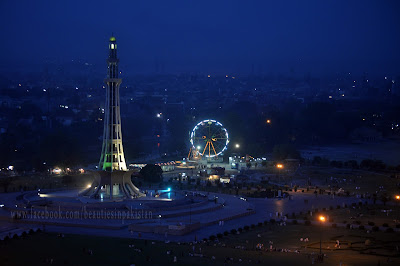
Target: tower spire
(112, 154)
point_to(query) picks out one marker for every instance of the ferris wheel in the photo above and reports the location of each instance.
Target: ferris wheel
(209, 138)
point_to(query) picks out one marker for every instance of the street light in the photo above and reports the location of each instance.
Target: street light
(279, 166)
(237, 145)
(322, 219)
(397, 197)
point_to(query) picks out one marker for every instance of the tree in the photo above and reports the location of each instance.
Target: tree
(352, 164)
(67, 180)
(5, 183)
(151, 173)
(285, 151)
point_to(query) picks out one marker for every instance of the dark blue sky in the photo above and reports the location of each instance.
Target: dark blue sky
(207, 36)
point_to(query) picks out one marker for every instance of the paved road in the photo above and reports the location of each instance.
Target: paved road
(264, 208)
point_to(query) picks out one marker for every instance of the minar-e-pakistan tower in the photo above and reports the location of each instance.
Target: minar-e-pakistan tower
(112, 181)
(112, 153)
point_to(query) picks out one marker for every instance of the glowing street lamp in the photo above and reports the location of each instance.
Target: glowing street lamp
(323, 220)
(237, 145)
(397, 197)
(279, 166)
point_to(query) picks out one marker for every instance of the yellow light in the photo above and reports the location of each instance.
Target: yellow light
(398, 197)
(279, 165)
(322, 218)
(268, 121)
(208, 76)
(89, 186)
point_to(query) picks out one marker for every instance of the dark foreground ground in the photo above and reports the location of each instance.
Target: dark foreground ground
(358, 247)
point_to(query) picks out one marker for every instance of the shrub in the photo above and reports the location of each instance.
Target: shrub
(385, 225)
(358, 222)
(205, 239)
(212, 237)
(324, 209)
(294, 221)
(348, 226)
(233, 231)
(371, 223)
(293, 215)
(389, 230)
(246, 227)
(272, 221)
(334, 225)
(219, 235)
(375, 228)
(252, 225)
(240, 229)
(265, 222)
(331, 208)
(260, 224)
(338, 207)
(361, 227)
(226, 233)
(307, 222)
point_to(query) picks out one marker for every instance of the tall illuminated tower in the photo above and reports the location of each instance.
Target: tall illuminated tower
(113, 181)
(112, 153)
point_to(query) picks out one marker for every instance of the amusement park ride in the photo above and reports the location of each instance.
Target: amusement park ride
(208, 139)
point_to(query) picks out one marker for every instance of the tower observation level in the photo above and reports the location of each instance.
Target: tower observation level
(112, 153)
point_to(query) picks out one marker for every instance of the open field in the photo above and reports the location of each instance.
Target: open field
(231, 249)
(378, 215)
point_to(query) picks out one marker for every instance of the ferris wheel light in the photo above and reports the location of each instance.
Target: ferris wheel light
(214, 141)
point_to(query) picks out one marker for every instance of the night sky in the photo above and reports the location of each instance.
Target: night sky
(206, 36)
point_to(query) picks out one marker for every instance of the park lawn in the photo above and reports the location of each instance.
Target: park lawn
(367, 181)
(36, 248)
(378, 213)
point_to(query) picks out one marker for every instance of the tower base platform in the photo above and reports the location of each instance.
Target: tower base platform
(113, 185)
